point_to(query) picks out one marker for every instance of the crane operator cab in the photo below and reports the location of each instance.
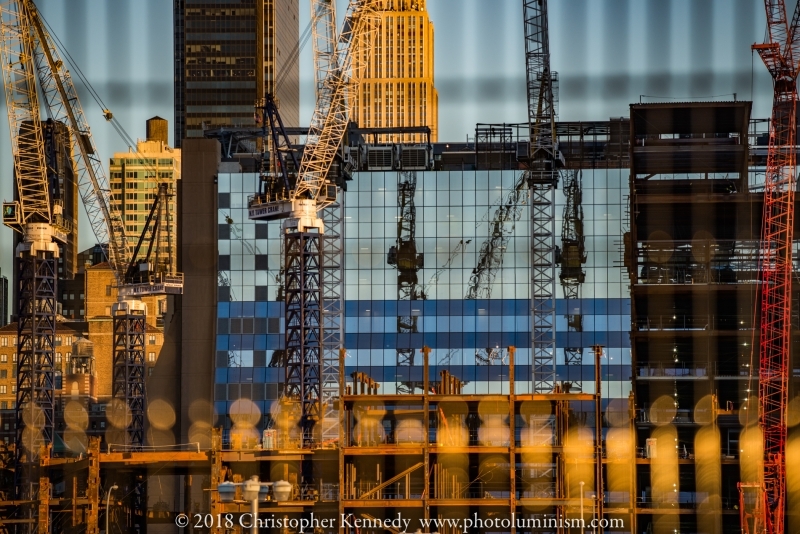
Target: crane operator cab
(11, 215)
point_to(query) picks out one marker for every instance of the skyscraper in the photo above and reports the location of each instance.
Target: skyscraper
(397, 87)
(228, 54)
(134, 179)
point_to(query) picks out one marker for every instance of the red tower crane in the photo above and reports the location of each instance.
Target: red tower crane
(781, 55)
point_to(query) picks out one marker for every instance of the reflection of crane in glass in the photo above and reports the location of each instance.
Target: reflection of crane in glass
(408, 262)
(462, 245)
(491, 356)
(571, 257)
(500, 230)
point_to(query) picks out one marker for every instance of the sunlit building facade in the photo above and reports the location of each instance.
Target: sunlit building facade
(135, 177)
(397, 86)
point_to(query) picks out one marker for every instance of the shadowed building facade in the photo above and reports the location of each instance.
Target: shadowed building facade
(228, 54)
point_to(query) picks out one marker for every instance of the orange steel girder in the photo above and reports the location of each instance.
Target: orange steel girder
(776, 270)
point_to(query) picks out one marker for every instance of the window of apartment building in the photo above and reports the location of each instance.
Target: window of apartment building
(5, 426)
(58, 341)
(152, 339)
(68, 341)
(3, 341)
(4, 405)
(150, 371)
(13, 388)
(58, 358)
(102, 424)
(3, 373)
(108, 291)
(14, 357)
(3, 389)
(3, 358)
(151, 356)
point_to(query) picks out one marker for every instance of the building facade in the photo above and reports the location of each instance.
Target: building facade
(135, 177)
(453, 208)
(693, 260)
(396, 88)
(64, 338)
(228, 55)
(86, 332)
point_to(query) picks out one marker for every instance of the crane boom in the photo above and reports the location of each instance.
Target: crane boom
(22, 105)
(323, 28)
(332, 111)
(490, 256)
(62, 100)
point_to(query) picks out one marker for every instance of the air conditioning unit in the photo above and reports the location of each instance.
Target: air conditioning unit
(415, 157)
(380, 158)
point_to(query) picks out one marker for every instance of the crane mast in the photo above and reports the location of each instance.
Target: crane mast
(300, 203)
(781, 56)
(332, 258)
(542, 178)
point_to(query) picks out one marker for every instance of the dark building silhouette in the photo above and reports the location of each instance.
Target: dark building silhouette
(227, 55)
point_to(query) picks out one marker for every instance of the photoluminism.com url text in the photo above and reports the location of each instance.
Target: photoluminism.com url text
(397, 523)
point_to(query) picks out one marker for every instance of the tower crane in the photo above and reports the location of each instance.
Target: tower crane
(38, 219)
(299, 200)
(135, 276)
(29, 56)
(542, 179)
(781, 56)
